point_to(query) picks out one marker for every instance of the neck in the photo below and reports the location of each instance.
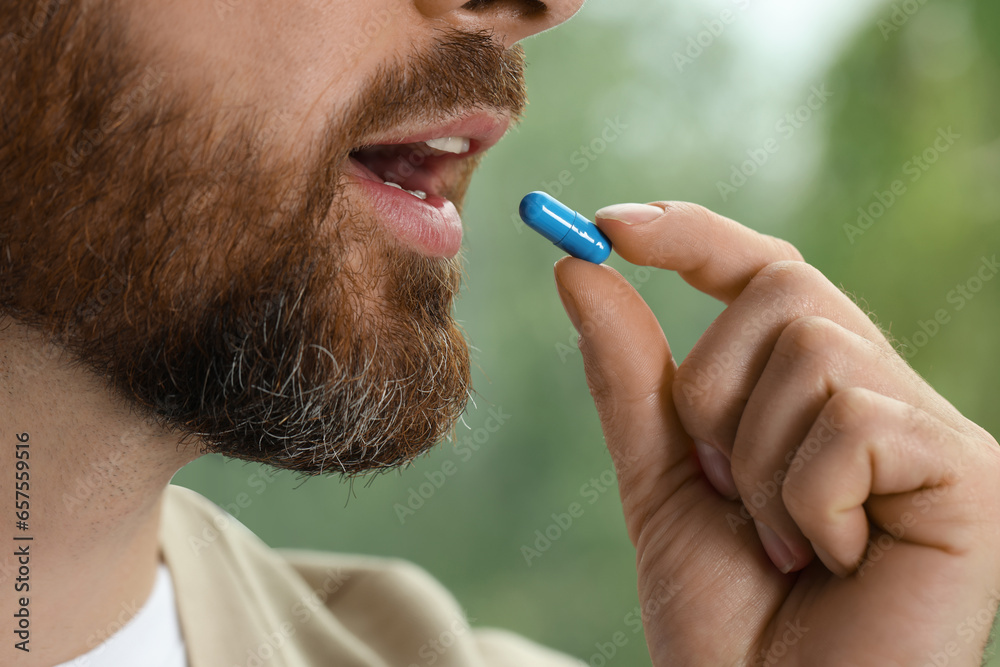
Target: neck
(91, 474)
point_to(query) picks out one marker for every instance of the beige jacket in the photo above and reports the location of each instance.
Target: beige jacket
(243, 604)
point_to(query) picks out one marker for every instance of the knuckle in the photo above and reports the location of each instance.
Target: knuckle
(688, 210)
(810, 336)
(685, 240)
(787, 275)
(853, 405)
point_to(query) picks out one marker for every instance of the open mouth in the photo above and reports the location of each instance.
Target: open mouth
(419, 168)
(411, 178)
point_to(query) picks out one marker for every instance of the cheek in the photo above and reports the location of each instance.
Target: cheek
(301, 59)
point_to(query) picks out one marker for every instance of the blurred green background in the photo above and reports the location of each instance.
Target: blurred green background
(670, 110)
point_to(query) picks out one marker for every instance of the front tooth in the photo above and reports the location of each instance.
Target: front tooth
(419, 194)
(457, 145)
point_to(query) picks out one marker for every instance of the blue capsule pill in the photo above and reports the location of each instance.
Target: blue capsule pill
(566, 228)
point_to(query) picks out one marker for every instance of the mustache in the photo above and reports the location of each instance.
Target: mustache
(462, 72)
(459, 73)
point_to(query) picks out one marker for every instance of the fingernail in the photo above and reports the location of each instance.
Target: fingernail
(717, 469)
(569, 303)
(775, 547)
(630, 214)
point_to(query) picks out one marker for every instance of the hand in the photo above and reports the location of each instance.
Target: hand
(792, 430)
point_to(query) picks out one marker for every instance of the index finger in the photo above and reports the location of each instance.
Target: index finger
(714, 254)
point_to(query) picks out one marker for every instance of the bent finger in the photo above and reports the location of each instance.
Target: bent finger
(871, 456)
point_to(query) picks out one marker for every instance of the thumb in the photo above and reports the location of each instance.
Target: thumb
(680, 526)
(630, 370)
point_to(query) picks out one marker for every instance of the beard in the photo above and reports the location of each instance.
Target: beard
(221, 285)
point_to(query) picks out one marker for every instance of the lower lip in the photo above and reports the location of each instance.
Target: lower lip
(432, 227)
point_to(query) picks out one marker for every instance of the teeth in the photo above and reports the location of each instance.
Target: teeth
(457, 145)
(419, 194)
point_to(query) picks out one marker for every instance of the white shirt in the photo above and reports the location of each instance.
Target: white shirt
(151, 638)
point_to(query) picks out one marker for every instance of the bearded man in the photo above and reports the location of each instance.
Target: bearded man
(232, 227)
